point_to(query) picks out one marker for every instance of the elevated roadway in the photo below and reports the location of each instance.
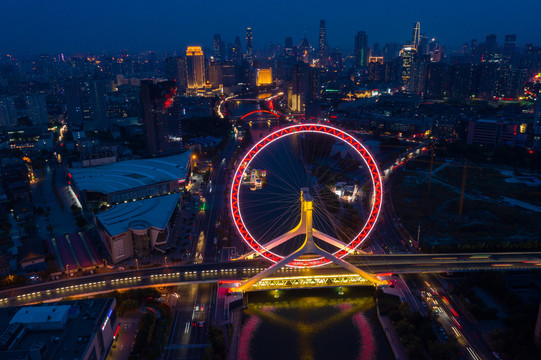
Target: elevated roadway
(242, 270)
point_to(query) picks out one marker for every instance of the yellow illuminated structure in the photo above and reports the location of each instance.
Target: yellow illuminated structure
(195, 66)
(264, 77)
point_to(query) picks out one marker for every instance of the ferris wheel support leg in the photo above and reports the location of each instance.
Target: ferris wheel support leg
(270, 270)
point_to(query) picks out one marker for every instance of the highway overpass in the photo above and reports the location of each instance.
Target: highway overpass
(245, 269)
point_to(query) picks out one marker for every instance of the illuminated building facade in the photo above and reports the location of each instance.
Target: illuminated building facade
(407, 54)
(86, 104)
(163, 130)
(361, 49)
(322, 50)
(195, 67)
(264, 77)
(249, 46)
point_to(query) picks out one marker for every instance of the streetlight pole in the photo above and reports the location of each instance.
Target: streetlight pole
(165, 262)
(68, 269)
(137, 263)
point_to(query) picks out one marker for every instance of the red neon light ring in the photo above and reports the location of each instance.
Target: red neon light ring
(307, 128)
(259, 111)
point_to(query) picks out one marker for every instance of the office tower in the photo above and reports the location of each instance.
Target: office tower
(215, 74)
(305, 51)
(407, 55)
(218, 46)
(288, 46)
(161, 118)
(237, 50)
(460, 80)
(391, 51)
(8, 113)
(86, 104)
(537, 123)
(195, 67)
(437, 80)
(72, 93)
(509, 48)
(249, 46)
(228, 74)
(322, 51)
(361, 49)
(416, 35)
(98, 105)
(175, 70)
(304, 86)
(422, 48)
(264, 77)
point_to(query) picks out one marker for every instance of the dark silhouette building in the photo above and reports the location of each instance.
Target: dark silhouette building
(361, 49)
(161, 117)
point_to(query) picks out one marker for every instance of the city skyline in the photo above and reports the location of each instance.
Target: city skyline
(63, 27)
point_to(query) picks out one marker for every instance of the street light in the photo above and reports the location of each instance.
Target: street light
(165, 261)
(68, 269)
(137, 263)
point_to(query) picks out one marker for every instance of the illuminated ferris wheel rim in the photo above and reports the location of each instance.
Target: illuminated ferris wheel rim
(299, 129)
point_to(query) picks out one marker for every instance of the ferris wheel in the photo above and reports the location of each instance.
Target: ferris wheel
(326, 234)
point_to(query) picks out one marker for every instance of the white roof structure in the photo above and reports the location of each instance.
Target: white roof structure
(130, 174)
(154, 212)
(35, 315)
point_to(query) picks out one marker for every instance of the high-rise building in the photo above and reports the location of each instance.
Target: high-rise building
(322, 53)
(86, 104)
(509, 48)
(8, 113)
(218, 47)
(408, 57)
(237, 50)
(361, 49)
(175, 70)
(195, 67)
(288, 46)
(537, 123)
(264, 77)
(416, 35)
(161, 117)
(36, 108)
(304, 86)
(249, 46)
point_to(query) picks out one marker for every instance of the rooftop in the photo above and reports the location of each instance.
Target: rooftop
(130, 174)
(84, 321)
(140, 214)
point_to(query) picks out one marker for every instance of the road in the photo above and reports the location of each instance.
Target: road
(241, 270)
(193, 313)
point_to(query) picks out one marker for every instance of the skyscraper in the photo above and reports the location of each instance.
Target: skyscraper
(509, 48)
(195, 67)
(86, 104)
(322, 51)
(249, 46)
(161, 117)
(218, 47)
(8, 113)
(175, 70)
(237, 50)
(36, 108)
(408, 57)
(537, 123)
(361, 49)
(416, 35)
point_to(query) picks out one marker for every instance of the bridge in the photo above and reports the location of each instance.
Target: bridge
(239, 271)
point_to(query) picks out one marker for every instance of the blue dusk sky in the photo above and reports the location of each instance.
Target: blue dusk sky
(76, 26)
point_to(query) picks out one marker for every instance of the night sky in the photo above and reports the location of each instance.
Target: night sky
(54, 26)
